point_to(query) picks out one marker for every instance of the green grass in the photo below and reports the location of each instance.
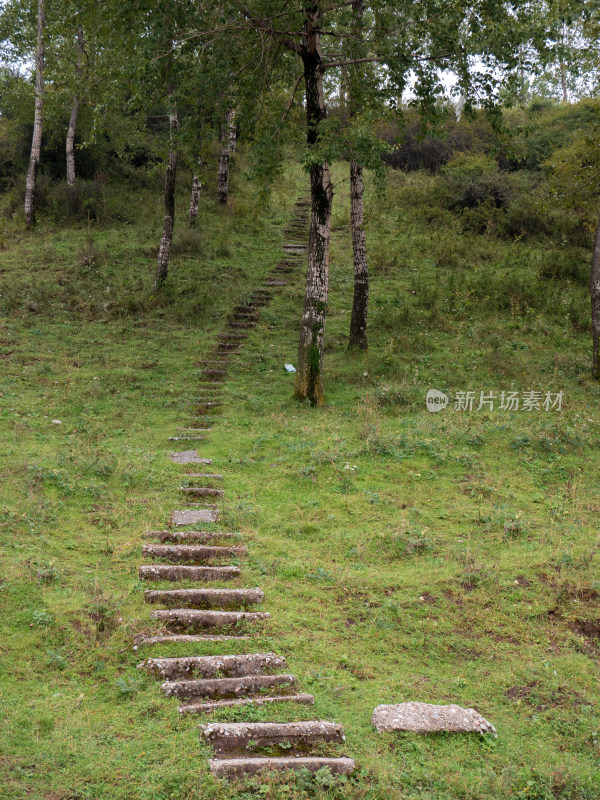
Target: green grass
(404, 555)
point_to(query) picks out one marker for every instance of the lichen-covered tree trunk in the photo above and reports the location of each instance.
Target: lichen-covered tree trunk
(70, 143)
(195, 195)
(595, 297)
(36, 140)
(360, 303)
(227, 147)
(162, 264)
(231, 130)
(309, 374)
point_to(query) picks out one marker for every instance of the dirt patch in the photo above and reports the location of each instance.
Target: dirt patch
(590, 628)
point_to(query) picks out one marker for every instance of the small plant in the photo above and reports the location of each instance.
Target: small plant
(42, 619)
(56, 659)
(128, 686)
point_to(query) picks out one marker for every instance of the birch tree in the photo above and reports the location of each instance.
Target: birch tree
(70, 141)
(36, 141)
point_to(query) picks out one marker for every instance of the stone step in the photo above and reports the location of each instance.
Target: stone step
(258, 700)
(231, 768)
(166, 572)
(225, 687)
(275, 282)
(202, 491)
(196, 430)
(211, 666)
(213, 476)
(189, 457)
(190, 516)
(232, 737)
(229, 347)
(196, 554)
(214, 372)
(205, 598)
(191, 536)
(187, 438)
(184, 638)
(241, 325)
(232, 337)
(192, 619)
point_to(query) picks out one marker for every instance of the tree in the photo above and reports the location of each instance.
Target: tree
(36, 140)
(70, 141)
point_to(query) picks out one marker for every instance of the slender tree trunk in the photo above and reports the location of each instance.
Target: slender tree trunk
(231, 130)
(195, 196)
(162, 264)
(595, 297)
(360, 303)
(309, 375)
(227, 147)
(563, 83)
(36, 141)
(70, 144)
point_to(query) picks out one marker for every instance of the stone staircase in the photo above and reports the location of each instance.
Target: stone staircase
(204, 684)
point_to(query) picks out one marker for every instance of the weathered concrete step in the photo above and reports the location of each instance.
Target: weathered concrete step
(196, 430)
(258, 700)
(213, 476)
(225, 687)
(189, 457)
(275, 282)
(211, 666)
(214, 372)
(231, 768)
(184, 638)
(191, 536)
(231, 737)
(192, 619)
(202, 491)
(196, 554)
(229, 347)
(166, 572)
(205, 598)
(232, 337)
(190, 516)
(241, 325)
(187, 438)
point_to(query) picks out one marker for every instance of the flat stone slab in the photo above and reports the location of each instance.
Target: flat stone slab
(212, 666)
(187, 438)
(193, 553)
(192, 537)
(230, 737)
(186, 638)
(429, 718)
(238, 767)
(167, 572)
(205, 598)
(225, 687)
(259, 700)
(195, 620)
(189, 457)
(190, 516)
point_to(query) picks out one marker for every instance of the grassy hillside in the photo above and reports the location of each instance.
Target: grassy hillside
(404, 555)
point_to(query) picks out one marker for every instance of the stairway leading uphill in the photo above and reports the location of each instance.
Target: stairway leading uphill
(207, 683)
